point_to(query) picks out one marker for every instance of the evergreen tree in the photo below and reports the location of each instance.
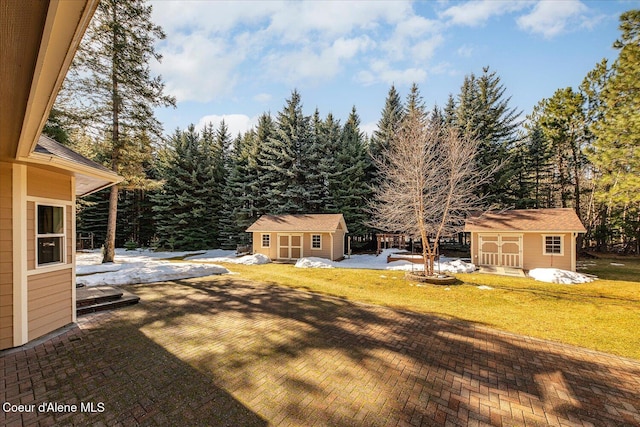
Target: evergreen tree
(237, 213)
(616, 126)
(111, 89)
(388, 126)
(562, 121)
(484, 114)
(284, 172)
(182, 208)
(351, 193)
(330, 133)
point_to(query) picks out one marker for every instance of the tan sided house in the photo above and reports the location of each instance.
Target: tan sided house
(290, 237)
(39, 178)
(527, 238)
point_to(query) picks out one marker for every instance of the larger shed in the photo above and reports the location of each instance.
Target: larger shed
(525, 238)
(290, 237)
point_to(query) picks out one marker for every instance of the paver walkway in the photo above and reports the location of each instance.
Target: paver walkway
(222, 351)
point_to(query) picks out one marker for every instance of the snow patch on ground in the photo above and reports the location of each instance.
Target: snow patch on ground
(99, 268)
(313, 262)
(554, 275)
(485, 287)
(148, 272)
(219, 255)
(141, 266)
(379, 262)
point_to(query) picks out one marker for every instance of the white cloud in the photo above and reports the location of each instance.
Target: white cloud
(475, 13)
(369, 128)
(306, 21)
(551, 18)
(381, 72)
(237, 123)
(465, 51)
(262, 98)
(199, 68)
(424, 50)
(295, 66)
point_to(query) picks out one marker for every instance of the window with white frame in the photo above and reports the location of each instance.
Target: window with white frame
(552, 245)
(50, 234)
(316, 241)
(266, 240)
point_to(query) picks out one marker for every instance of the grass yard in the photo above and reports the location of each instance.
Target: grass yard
(603, 315)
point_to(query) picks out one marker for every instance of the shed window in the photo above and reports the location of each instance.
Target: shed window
(316, 241)
(553, 245)
(266, 240)
(50, 234)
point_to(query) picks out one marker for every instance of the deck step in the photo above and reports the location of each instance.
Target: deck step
(100, 298)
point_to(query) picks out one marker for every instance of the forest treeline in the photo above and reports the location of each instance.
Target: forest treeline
(201, 188)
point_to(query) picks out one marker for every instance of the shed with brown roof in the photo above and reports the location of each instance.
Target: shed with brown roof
(290, 237)
(525, 238)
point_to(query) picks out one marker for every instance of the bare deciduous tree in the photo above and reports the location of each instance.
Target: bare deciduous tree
(430, 183)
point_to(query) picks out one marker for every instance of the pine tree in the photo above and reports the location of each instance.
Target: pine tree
(182, 210)
(351, 192)
(388, 126)
(562, 121)
(111, 89)
(484, 114)
(284, 166)
(616, 126)
(330, 133)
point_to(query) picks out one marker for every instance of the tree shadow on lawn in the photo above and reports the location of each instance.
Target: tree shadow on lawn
(302, 356)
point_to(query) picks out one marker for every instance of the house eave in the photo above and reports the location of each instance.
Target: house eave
(88, 180)
(64, 27)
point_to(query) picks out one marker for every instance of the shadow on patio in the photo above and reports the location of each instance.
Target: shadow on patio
(263, 352)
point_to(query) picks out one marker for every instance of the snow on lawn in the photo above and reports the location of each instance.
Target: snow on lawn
(554, 275)
(219, 255)
(140, 266)
(379, 262)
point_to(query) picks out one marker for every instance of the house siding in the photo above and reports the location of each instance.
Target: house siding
(534, 254)
(6, 256)
(49, 301)
(532, 251)
(47, 184)
(325, 243)
(307, 251)
(338, 245)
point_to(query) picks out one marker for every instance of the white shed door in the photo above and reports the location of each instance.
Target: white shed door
(502, 250)
(289, 246)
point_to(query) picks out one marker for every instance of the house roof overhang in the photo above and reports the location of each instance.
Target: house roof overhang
(300, 223)
(89, 175)
(527, 221)
(38, 40)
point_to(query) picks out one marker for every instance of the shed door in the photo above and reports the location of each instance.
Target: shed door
(504, 250)
(289, 246)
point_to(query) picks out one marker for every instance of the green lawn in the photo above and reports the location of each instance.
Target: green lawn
(603, 315)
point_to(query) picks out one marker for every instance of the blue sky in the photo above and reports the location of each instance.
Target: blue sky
(238, 59)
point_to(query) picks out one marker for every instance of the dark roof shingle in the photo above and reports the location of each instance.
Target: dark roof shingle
(298, 223)
(557, 219)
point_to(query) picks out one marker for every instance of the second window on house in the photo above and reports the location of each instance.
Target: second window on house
(316, 241)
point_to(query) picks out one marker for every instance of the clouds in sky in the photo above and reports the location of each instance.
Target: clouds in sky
(214, 48)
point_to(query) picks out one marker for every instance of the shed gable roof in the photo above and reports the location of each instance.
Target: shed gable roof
(299, 223)
(558, 219)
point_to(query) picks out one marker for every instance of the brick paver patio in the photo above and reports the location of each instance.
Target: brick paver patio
(222, 351)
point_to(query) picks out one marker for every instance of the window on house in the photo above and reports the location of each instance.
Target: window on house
(50, 234)
(266, 240)
(316, 241)
(553, 245)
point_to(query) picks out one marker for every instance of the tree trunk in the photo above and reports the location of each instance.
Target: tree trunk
(110, 243)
